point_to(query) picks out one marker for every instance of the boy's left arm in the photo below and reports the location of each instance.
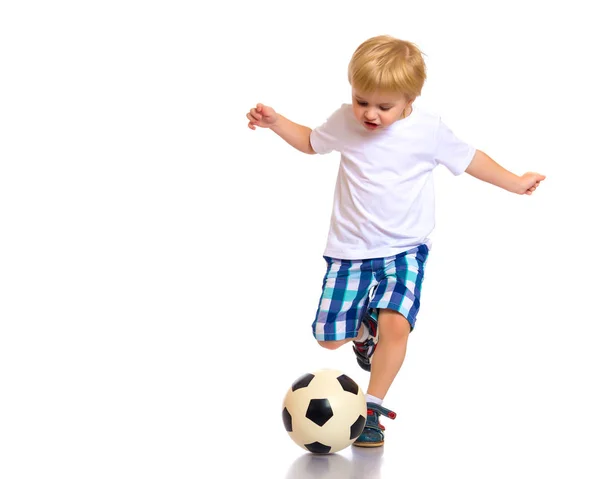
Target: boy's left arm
(485, 169)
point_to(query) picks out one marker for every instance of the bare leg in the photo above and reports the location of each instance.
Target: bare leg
(388, 357)
(336, 344)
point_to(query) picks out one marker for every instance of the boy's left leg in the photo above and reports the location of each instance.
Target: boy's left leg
(389, 355)
(386, 362)
(397, 301)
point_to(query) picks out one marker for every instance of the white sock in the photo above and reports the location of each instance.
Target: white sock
(370, 398)
(363, 336)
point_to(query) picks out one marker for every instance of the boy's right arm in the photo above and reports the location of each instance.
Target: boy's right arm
(294, 134)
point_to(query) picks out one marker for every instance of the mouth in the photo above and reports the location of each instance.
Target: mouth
(370, 125)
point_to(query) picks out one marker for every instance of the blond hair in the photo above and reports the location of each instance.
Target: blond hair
(387, 64)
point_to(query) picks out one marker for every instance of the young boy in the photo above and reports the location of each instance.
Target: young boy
(383, 209)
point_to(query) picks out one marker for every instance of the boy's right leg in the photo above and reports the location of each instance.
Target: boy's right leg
(336, 344)
(343, 301)
(364, 348)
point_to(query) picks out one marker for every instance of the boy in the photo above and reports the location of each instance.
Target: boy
(383, 209)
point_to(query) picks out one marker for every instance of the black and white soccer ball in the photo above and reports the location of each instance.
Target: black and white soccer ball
(324, 411)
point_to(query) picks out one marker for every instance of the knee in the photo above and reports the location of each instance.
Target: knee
(331, 345)
(393, 326)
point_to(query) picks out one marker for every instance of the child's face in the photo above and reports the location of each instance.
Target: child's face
(379, 110)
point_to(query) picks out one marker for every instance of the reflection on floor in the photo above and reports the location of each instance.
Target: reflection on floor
(350, 463)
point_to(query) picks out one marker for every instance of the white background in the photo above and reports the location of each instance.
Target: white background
(160, 263)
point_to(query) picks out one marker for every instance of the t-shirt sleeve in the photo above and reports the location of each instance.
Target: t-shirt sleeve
(326, 138)
(453, 153)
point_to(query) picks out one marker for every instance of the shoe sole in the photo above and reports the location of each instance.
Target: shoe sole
(368, 444)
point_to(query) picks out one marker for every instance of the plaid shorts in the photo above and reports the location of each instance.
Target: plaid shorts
(353, 288)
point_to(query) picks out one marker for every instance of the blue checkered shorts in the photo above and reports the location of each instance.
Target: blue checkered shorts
(353, 288)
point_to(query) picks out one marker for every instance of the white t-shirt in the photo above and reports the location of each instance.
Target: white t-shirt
(384, 197)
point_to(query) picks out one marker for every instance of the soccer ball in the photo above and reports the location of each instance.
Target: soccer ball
(324, 411)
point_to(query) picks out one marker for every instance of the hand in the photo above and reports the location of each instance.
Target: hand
(262, 116)
(529, 182)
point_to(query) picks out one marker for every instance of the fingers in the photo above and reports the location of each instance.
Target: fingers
(538, 177)
(254, 121)
(254, 115)
(532, 188)
(259, 116)
(534, 180)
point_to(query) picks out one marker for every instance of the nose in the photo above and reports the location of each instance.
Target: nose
(370, 114)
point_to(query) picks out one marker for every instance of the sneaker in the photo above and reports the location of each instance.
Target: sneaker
(365, 349)
(372, 435)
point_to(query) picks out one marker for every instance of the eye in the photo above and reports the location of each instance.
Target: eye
(385, 108)
(361, 103)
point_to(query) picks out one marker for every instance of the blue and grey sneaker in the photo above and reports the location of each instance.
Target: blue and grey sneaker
(372, 435)
(365, 349)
